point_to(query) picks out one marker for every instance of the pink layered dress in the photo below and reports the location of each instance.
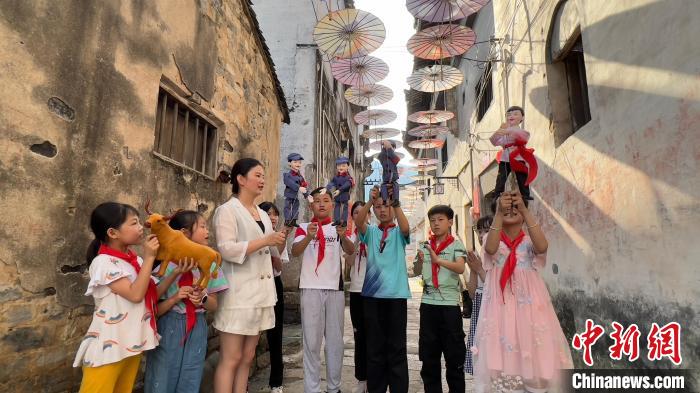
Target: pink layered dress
(519, 342)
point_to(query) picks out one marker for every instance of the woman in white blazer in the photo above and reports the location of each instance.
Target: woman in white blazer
(247, 241)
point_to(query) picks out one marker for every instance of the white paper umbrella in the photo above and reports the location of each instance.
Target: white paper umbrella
(426, 144)
(377, 145)
(375, 117)
(424, 161)
(369, 95)
(349, 33)
(439, 42)
(435, 78)
(428, 130)
(380, 133)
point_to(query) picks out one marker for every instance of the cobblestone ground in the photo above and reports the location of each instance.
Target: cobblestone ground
(293, 373)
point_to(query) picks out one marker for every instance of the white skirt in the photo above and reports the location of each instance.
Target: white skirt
(245, 321)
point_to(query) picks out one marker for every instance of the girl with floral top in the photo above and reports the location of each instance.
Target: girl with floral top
(177, 364)
(124, 323)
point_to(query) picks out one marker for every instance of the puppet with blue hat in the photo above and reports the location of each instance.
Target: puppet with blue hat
(340, 187)
(294, 183)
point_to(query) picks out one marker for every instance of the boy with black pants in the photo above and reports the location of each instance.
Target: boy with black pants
(441, 331)
(385, 290)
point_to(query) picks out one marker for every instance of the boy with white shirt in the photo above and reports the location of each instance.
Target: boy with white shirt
(322, 297)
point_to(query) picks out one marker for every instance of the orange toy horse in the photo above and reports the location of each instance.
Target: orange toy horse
(175, 246)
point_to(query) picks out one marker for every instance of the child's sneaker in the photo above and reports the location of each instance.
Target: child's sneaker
(361, 387)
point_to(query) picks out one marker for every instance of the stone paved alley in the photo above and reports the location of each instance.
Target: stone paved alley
(293, 373)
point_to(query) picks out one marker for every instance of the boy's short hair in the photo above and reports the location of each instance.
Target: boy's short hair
(516, 108)
(319, 191)
(441, 209)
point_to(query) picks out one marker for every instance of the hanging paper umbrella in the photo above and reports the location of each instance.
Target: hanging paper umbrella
(428, 130)
(376, 153)
(430, 117)
(359, 71)
(424, 161)
(426, 144)
(369, 95)
(403, 180)
(377, 145)
(435, 78)
(375, 117)
(349, 33)
(441, 41)
(426, 168)
(443, 10)
(380, 133)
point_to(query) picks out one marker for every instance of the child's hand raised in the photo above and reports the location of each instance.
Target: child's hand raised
(150, 246)
(505, 203)
(473, 261)
(518, 202)
(311, 230)
(374, 193)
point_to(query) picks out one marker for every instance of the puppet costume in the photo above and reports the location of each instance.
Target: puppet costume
(515, 157)
(293, 180)
(390, 174)
(343, 183)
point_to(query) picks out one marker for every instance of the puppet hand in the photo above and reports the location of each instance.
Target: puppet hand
(336, 193)
(302, 190)
(151, 246)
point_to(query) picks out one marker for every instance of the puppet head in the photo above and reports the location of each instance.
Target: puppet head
(295, 161)
(342, 164)
(514, 116)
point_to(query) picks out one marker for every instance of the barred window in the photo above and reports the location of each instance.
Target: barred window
(183, 136)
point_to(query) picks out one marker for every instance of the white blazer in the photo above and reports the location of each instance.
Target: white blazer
(251, 279)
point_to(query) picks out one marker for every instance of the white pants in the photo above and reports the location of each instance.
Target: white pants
(322, 316)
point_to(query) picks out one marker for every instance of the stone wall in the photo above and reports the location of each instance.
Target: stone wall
(77, 118)
(619, 198)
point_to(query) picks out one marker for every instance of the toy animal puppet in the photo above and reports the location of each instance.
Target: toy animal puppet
(175, 246)
(340, 187)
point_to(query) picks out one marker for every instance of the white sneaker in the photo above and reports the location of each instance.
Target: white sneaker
(361, 387)
(277, 390)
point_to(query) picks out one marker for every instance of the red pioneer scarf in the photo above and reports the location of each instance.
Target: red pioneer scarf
(528, 155)
(438, 248)
(385, 233)
(186, 279)
(151, 299)
(298, 174)
(321, 240)
(362, 252)
(512, 259)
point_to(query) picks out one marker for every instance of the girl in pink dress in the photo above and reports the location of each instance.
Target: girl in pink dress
(519, 344)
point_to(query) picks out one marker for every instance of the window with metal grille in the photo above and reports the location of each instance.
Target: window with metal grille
(484, 93)
(578, 86)
(184, 136)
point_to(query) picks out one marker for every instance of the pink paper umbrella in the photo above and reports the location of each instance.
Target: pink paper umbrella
(441, 41)
(443, 10)
(349, 33)
(359, 71)
(424, 161)
(367, 95)
(377, 145)
(430, 117)
(426, 144)
(380, 133)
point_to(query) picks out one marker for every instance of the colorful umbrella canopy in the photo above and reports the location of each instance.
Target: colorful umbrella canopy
(428, 130)
(359, 71)
(380, 133)
(435, 78)
(424, 161)
(349, 33)
(426, 144)
(375, 117)
(443, 10)
(430, 117)
(369, 95)
(426, 168)
(377, 145)
(441, 41)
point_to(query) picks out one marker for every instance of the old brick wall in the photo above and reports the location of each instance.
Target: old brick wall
(77, 116)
